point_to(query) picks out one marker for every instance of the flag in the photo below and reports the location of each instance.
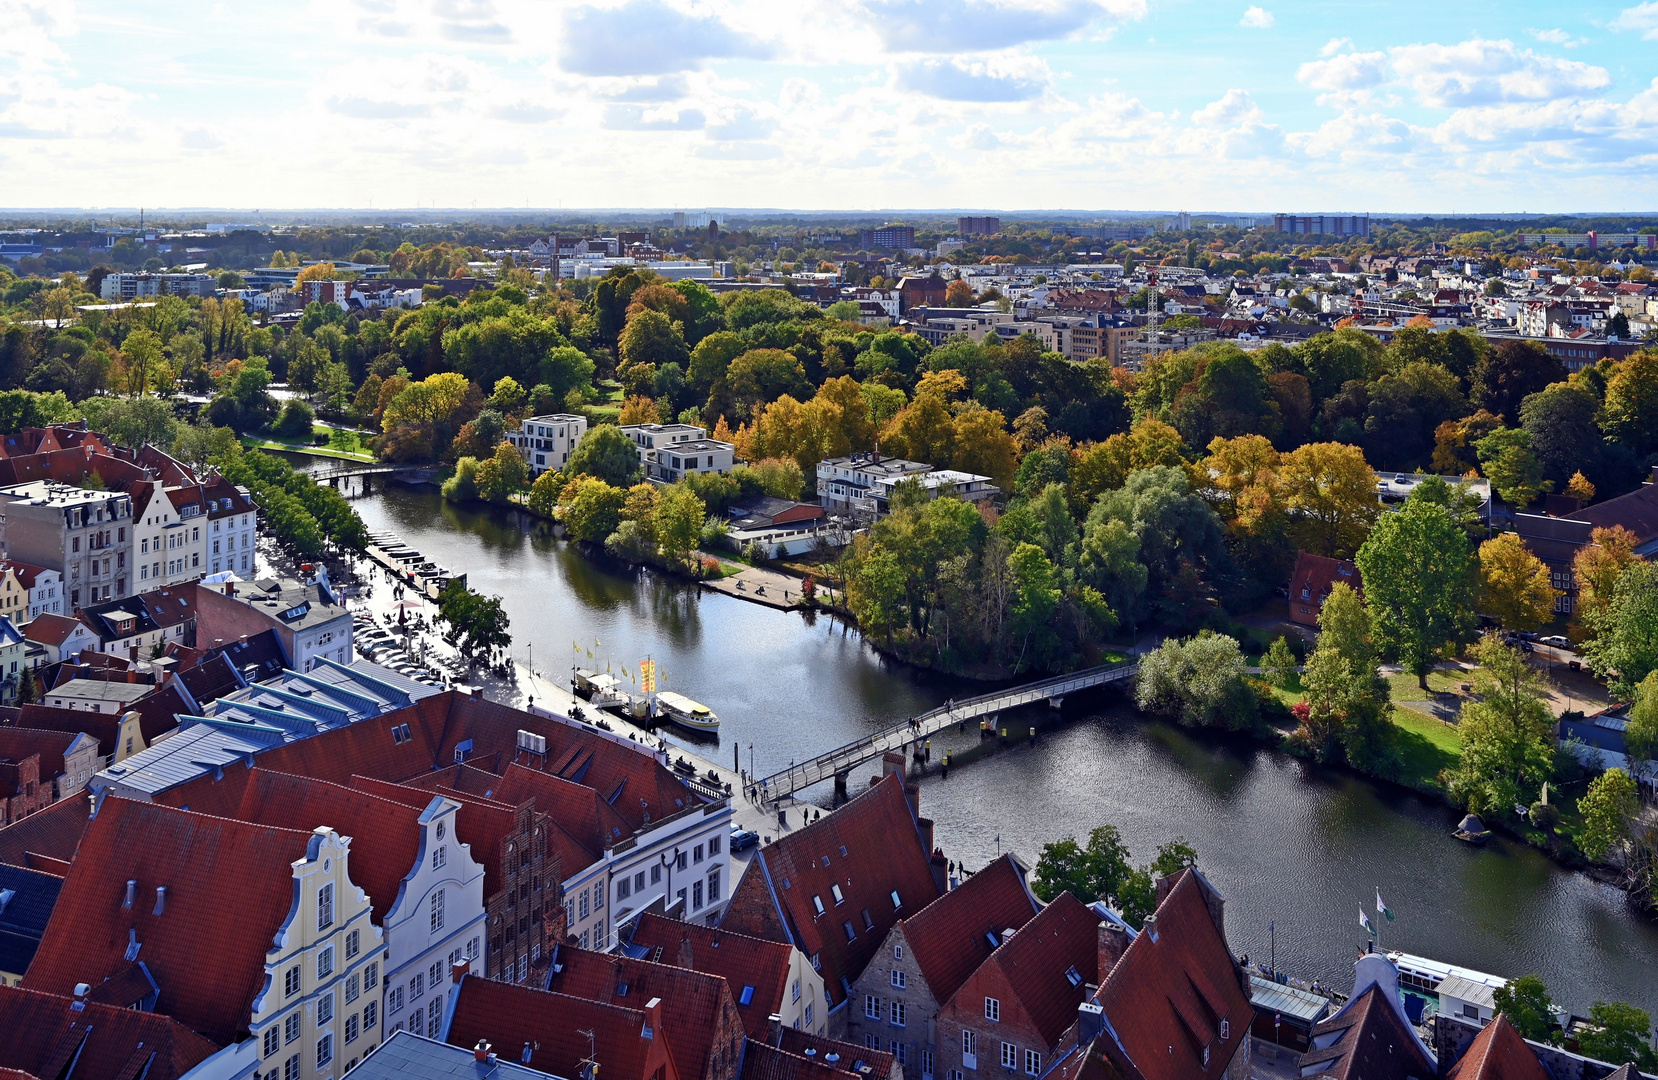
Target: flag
(1381, 908)
(1364, 921)
(577, 645)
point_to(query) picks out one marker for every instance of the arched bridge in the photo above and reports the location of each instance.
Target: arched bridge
(840, 761)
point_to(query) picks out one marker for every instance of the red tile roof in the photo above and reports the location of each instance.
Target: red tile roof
(17, 743)
(947, 938)
(229, 888)
(764, 1062)
(509, 1016)
(737, 958)
(1034, 962)
(1371, 1042)
(388, 833)
(46, 840)
(27, 573)
(697, 1008)
(870, 848)
(1311, 582)
(54, 630)
(480, 823)
(45, 1033)
(1499, 1053)
(1175, 990)
(466, 783)
(851, 1056)
(579, 808)
(104, 727)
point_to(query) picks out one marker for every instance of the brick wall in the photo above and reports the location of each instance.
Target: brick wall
(913, 1043)
(966, 1012)
(526, 917)
(21, 790)
(221, 618)
(751, 910)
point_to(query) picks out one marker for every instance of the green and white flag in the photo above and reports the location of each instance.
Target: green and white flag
(1381, 908)
(1364, 921)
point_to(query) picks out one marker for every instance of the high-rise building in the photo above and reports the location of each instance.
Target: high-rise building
(1322, 224)
(887, 236)
(978, 226)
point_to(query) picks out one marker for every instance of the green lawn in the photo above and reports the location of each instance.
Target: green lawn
(1425, 746)
(1405, 687)
(347, 445)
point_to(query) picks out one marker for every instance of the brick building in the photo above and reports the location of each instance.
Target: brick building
(1311, 582)
(65, 760)
(75, 1039)
(563, 1035)
(926, 958)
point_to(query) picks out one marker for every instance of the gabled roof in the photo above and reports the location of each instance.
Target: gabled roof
(390, 832)
(1368, 1039)
(481, 824)
(695, 1006)
(17, 743)
(27, 573)
(467, 784)
(951, 937)
(46, 1035)
(258, 657)
(509, 1016)
(847, 1055)
(47, 839)
(1174, 986)
(229, 889)
(580, 809)
(1499, 1053)
(742, 961)
(407, 1056)
(871, 850)
(1036, 964)
(213, 678)
(764, 1062)
(24, 914)
(50, 629)
(159, 711)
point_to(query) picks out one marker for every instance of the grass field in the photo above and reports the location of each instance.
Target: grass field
(346, 445)
(1426, 746)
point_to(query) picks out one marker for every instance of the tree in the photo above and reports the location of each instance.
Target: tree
(984, 446)
(1505, 376)
(591, 509)
(1507, 735)
(607, 453)
(1513, 469)
(1579, 488)
(503, 475)
(1036, 597)
(1620, 1034)
(923, 430)
(141, 352)
(1525, 1001)
(650, 337)
(1330, 493)
(958, 294)
(322, 271)
(1278, 665)
(639, 410)
(1405, 410)
(1560, 421)
(477, 624)
(1624, 636)
(1419, 584)
(462, 486)
(1090, 874)
(1640, 734)
(133, 421)
(677, 524)
(1514, 584)
(1597, 566)
(1199, 681)
(295, 422)
(545, 492)
(1181, 541)
(1612, 800)
(1631, 411)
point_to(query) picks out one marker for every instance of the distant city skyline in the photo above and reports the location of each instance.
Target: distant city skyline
(1473, 108)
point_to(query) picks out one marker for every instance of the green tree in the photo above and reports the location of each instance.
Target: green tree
(591, 508)
(1513, 469)
(1036, 597)
(476, 624)
(1560, 421)
(1612, 799)
(144, 360)
(1525, 1001)
(1640, 735)
(678, 524)
(1199, 681)
(503, 475)
(1621, 1034)
(1631, 413)
(295, 422)
(1507, 735)
(1624, 641)
(1504, 377)
(132, 421)
(1278, 664)
(545, 492)
(650, 337)
(1419, 578)
(607, 453)
(1094, 872)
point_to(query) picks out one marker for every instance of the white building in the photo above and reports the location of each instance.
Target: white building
(548, 441)
(669, 451)
(40, 590)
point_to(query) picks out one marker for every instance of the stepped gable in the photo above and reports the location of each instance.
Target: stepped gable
(464, 782)
(740, 960)
(481, 824)
(1165, 1000)
(47, 839)
(1498, 1052)
(705, 1032)
(229, 889)
(49, 1038)
(578, 808)
(629, 1042)
(871, 850)
(947, 937)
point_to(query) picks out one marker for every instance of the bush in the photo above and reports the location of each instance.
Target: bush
(1199, 681)
(295, 421)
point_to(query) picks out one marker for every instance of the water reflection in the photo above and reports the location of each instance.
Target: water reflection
(1286, 845)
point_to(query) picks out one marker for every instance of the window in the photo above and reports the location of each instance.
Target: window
(872, 1006)
(656, 875)
(434, 1017)
(898, 1052)
(696, 854)
(746, 997)
(351, 989)
(290, 1027)
(582, 903)
(808, 1016)
(1472, 1012)
(926, 1061)
(714, 885)
(371, 975)
(992, 1010)
(351, 1028)
(851, 934)
(836, 889)
(639, 881)
(900, 1014)
(898, 952)
(696, 895)
(290, 982)
(394, 998)
(598, 896)
(1010, 1056)
(352, 943)
(325, 1050)
(290, 1068)
(440, 856)
(714, 846)
(872, 1041)
(969, 1048)
(273, 1039)
(796, 991)
(325, 906)
(325, 962)
(417, 985)
(371, 1015)
(1073, 976)
(1033, 1063)
(437, 911)
(325, 1009)
(624, 889)
(817, 903)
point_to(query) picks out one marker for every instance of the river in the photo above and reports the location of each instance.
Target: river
(1286, 845)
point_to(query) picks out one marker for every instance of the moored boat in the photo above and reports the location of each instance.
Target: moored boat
(687, 713)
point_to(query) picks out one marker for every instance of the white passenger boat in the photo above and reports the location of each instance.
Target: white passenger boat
(685, 712)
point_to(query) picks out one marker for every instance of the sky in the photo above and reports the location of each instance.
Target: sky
(859, 105)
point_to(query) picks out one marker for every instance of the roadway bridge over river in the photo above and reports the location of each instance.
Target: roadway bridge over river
(839, 762)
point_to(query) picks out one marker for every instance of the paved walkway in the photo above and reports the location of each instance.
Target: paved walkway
(760, 586)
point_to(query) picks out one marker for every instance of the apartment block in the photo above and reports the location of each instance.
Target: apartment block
(547, 441)
(85, 535)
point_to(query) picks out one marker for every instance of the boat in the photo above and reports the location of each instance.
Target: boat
(686, 713)
(600, 689)
(1472, 831)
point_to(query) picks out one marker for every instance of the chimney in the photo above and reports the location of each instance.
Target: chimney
(160, 899)
(481, 1051)
(81, 990)
(653, 1018)
(1090, 1021)
(458, 970)
(685, 949)
(132, 893)
(1113, 942)
(1150, 928)
(891, 763)
(912, 795)
(774, 1030)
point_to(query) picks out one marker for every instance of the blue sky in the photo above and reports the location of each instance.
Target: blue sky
(840, 104)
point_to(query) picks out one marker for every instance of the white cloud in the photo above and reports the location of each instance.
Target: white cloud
(640, 118)
(1344, 72)
(1642, 18)
(949, 26)
(998, 80)
(28, 29)
(666, 88)
(1557, 37)
(1335, 45)
(1480, 72)
(648, 37)
(1235, 109)
(362, 108)
(1257, 18)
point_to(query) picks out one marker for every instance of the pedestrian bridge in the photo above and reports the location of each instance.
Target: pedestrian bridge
(838, 762)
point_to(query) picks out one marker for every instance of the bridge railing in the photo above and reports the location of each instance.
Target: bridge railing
(820, 768)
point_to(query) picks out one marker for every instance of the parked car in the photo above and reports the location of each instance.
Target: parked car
(1556, 641)
(743, 839)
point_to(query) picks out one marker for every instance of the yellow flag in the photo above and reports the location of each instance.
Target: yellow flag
(577, 645)
(590, 654)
